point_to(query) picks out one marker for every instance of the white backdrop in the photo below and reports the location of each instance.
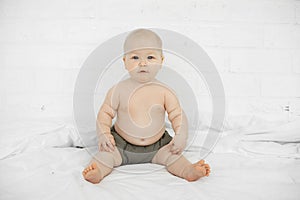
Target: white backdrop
(254, 44)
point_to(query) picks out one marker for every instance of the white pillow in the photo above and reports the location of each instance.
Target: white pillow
(20, 136)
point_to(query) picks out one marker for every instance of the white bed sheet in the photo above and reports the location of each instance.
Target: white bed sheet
(245, 165)
(55, 173)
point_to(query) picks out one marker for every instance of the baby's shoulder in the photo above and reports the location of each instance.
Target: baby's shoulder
(164, 86)
(117, 88)
(122, 85)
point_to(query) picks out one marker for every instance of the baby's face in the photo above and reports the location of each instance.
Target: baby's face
(143, 64)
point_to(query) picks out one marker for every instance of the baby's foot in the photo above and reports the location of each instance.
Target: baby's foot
(196, 171)
(92, 173)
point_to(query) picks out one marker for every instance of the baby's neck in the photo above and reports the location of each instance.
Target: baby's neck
(133, 81)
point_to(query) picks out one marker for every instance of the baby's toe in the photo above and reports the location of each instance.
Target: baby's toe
(207, 166)
(207, 172)
(94, 165)
(84, 171)
(87, 169)
(201, 162)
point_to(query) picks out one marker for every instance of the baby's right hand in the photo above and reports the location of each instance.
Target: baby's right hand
(106, 142)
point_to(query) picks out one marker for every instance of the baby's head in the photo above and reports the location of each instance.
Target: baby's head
(142, 39)
(143, 55)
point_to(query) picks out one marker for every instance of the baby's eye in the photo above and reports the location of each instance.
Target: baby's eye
(135, 57)
(151, 57)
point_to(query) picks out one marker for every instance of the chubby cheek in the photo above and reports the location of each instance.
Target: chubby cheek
(131, 67)
(156, 66)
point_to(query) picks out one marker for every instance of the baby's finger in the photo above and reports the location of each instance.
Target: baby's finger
(171, 142)
(113, 142)
(110, 146)
(172, 148)
(105, 147)
(175, 150)
(101, 147)
(179, 151)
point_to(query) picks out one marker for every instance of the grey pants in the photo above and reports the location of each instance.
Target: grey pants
(134, 154)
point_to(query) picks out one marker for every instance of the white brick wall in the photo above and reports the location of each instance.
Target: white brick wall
(44, 56)
(297, 10)
(282, 36)
(273, 11)
(296, 61)
(259, 60)
(280, 86)
(255, 45)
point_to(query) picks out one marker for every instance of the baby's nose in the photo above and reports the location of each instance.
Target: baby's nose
(143, 63)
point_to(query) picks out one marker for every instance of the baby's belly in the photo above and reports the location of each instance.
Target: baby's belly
(141, 134)
(140, 127)
(140, 141)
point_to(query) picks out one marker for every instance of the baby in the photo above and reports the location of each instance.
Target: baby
(139, 134)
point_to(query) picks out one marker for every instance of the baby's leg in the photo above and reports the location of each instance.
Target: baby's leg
(180, 166)
(191, 172)
(101, 165)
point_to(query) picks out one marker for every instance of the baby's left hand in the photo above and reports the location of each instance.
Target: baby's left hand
(178, 143)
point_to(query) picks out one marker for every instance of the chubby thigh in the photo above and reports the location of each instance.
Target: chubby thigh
(134, 154)
(108, 159)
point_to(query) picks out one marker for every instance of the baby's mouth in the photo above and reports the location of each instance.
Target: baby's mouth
(143, 71)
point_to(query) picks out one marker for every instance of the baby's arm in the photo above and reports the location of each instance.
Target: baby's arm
(179, 122)
(104, 121)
